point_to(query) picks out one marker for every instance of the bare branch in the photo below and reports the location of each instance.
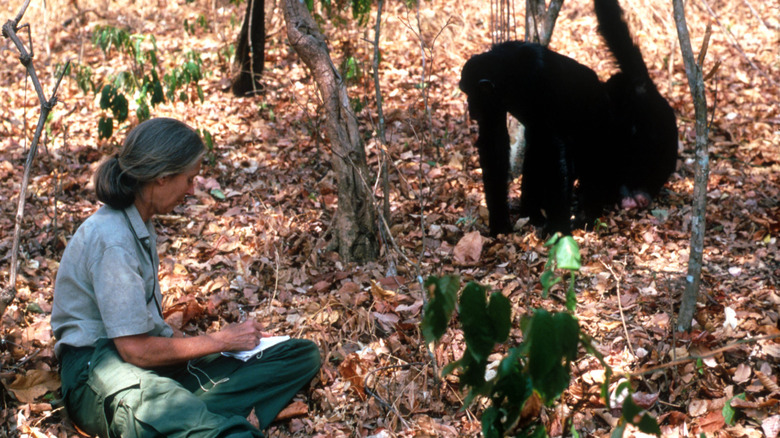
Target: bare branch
(10, 29)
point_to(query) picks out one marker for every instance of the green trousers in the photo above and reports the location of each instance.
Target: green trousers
(207, 397)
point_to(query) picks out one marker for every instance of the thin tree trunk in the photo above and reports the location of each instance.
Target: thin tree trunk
(380, 129)
(10, 28)
(250, 50)
(696, 84)
(354, 221)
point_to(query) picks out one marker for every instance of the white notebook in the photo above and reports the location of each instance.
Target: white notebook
(264, 344)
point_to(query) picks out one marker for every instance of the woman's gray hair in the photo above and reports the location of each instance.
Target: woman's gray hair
(154, 149)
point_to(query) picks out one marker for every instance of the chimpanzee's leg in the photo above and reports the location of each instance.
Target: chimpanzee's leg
(493, 146)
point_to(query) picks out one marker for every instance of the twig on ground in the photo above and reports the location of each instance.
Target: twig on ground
(377, 397)
(710, 353)
(620, 306)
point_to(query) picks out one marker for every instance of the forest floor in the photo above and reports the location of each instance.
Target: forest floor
(254, 237)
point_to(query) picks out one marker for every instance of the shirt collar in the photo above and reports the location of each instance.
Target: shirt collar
(137, 222)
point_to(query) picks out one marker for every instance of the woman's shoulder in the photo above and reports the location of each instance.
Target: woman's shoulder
(107, 226)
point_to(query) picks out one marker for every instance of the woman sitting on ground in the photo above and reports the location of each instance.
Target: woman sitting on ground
(124, 373)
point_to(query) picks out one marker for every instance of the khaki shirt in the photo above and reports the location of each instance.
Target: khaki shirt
(107, 283)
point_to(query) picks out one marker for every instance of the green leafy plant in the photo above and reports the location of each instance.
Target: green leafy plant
(599, 225)
(539, 366)
(564, 254)
(350, 69)
(208, 141)
(192, 28)
(139, 82)
(185, 77)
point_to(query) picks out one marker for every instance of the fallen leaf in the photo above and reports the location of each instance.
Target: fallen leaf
(380, 293)
(645, 400)
(413, 308)
(469, 249)
(697, 407)
(771, 426)
(742, 374)
(294, 409)
(386, 320)
(730, 318)
(352, 371)
(32, 431)
(26, 388)
(712, 422)
(767, 382)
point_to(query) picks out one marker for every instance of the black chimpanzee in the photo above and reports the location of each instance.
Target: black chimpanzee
(250, 61)
(645, 123)
(618, 140)
(566, 113)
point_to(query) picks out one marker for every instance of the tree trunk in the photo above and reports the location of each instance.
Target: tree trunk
(354, 223)
(250, 50)
(696, 84)
(540, 22)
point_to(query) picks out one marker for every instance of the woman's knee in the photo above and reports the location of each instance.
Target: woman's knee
(310, 353)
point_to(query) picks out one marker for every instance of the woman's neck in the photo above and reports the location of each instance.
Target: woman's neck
(142, 204)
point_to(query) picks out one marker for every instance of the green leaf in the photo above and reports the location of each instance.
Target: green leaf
(142, 112)
(158, 96)
(449, 368)
(208, 140)
(630, 409)
(567, 332)
(548, 280)
(119, 107)
(729, 412)
(500, 316)
(647, 424)
(511, 382)
(571, 296)
(136, 48)
(552, 240)
(477, 326)
(552, 343)
(105, 127)
(473, 371)
(567, 254)
(217, 193)
(443, 293)
(618, 432)
(106, 96)
(491, 423)
(34, 307)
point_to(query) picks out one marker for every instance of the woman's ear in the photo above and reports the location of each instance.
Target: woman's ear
(162, 180)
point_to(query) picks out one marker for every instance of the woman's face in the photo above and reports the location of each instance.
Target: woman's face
(169, 191)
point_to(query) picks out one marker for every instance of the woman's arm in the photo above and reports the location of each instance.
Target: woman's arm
(146, 351)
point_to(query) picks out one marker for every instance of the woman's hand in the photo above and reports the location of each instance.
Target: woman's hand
(242, 336)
